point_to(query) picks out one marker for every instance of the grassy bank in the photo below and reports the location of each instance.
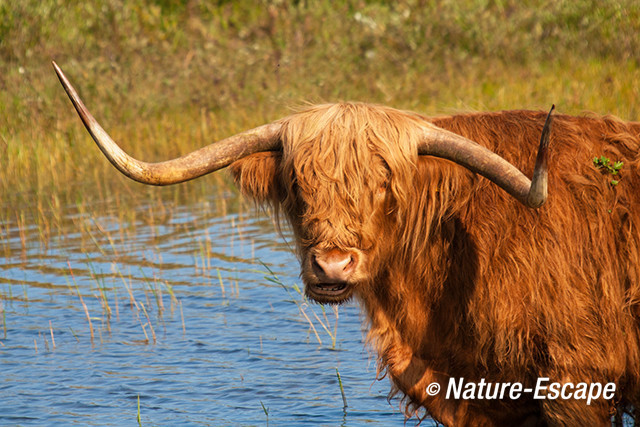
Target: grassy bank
(169, 76)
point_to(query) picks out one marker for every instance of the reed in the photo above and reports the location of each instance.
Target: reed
(302, 303)
(266, 411)
(184, 75)
(344, 397)
(169, 77)
(153, 332)
(84, 306)
(53, 341)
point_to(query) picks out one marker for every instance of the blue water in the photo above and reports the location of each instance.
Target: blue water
(240, 353)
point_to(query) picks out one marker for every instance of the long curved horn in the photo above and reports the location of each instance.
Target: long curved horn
(193, 165)
(448, 145)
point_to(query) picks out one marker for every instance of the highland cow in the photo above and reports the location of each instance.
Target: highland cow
(463, 273)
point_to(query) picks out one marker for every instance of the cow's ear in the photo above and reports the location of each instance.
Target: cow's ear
(256, 176)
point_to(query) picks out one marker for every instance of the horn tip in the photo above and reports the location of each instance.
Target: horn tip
(58, 70)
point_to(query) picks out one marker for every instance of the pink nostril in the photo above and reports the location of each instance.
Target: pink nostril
(334, 265)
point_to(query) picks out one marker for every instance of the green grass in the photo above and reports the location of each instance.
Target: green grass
(167, 76)
(302, 303)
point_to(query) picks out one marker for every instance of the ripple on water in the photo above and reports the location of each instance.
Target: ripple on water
(221, 351)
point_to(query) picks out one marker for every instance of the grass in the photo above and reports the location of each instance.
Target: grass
(167, 76)
(344, 397)
(96, 251)
(302, 303)
(266, 411)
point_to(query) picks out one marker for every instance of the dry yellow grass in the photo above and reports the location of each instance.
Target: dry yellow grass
(165, 77)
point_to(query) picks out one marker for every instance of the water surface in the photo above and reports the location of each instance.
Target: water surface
(186, 318)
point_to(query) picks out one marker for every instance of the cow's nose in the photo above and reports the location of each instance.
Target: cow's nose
(334, 265)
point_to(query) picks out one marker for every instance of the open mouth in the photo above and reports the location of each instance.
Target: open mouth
(328, 292)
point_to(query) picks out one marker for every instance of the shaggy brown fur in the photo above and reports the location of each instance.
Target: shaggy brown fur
(457, 278)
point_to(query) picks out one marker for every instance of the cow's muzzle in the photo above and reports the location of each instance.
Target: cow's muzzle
(332, 271)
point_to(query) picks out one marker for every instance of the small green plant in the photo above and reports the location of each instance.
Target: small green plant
(604, 164)
(303, 305)
(266, 411)
(344, 398)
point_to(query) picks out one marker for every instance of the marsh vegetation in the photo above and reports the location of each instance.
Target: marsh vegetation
(94, 266)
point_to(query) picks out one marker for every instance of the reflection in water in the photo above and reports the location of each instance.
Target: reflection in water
(184, 314)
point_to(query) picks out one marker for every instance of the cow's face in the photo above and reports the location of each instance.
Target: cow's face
(340, 221)
(339, 183)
